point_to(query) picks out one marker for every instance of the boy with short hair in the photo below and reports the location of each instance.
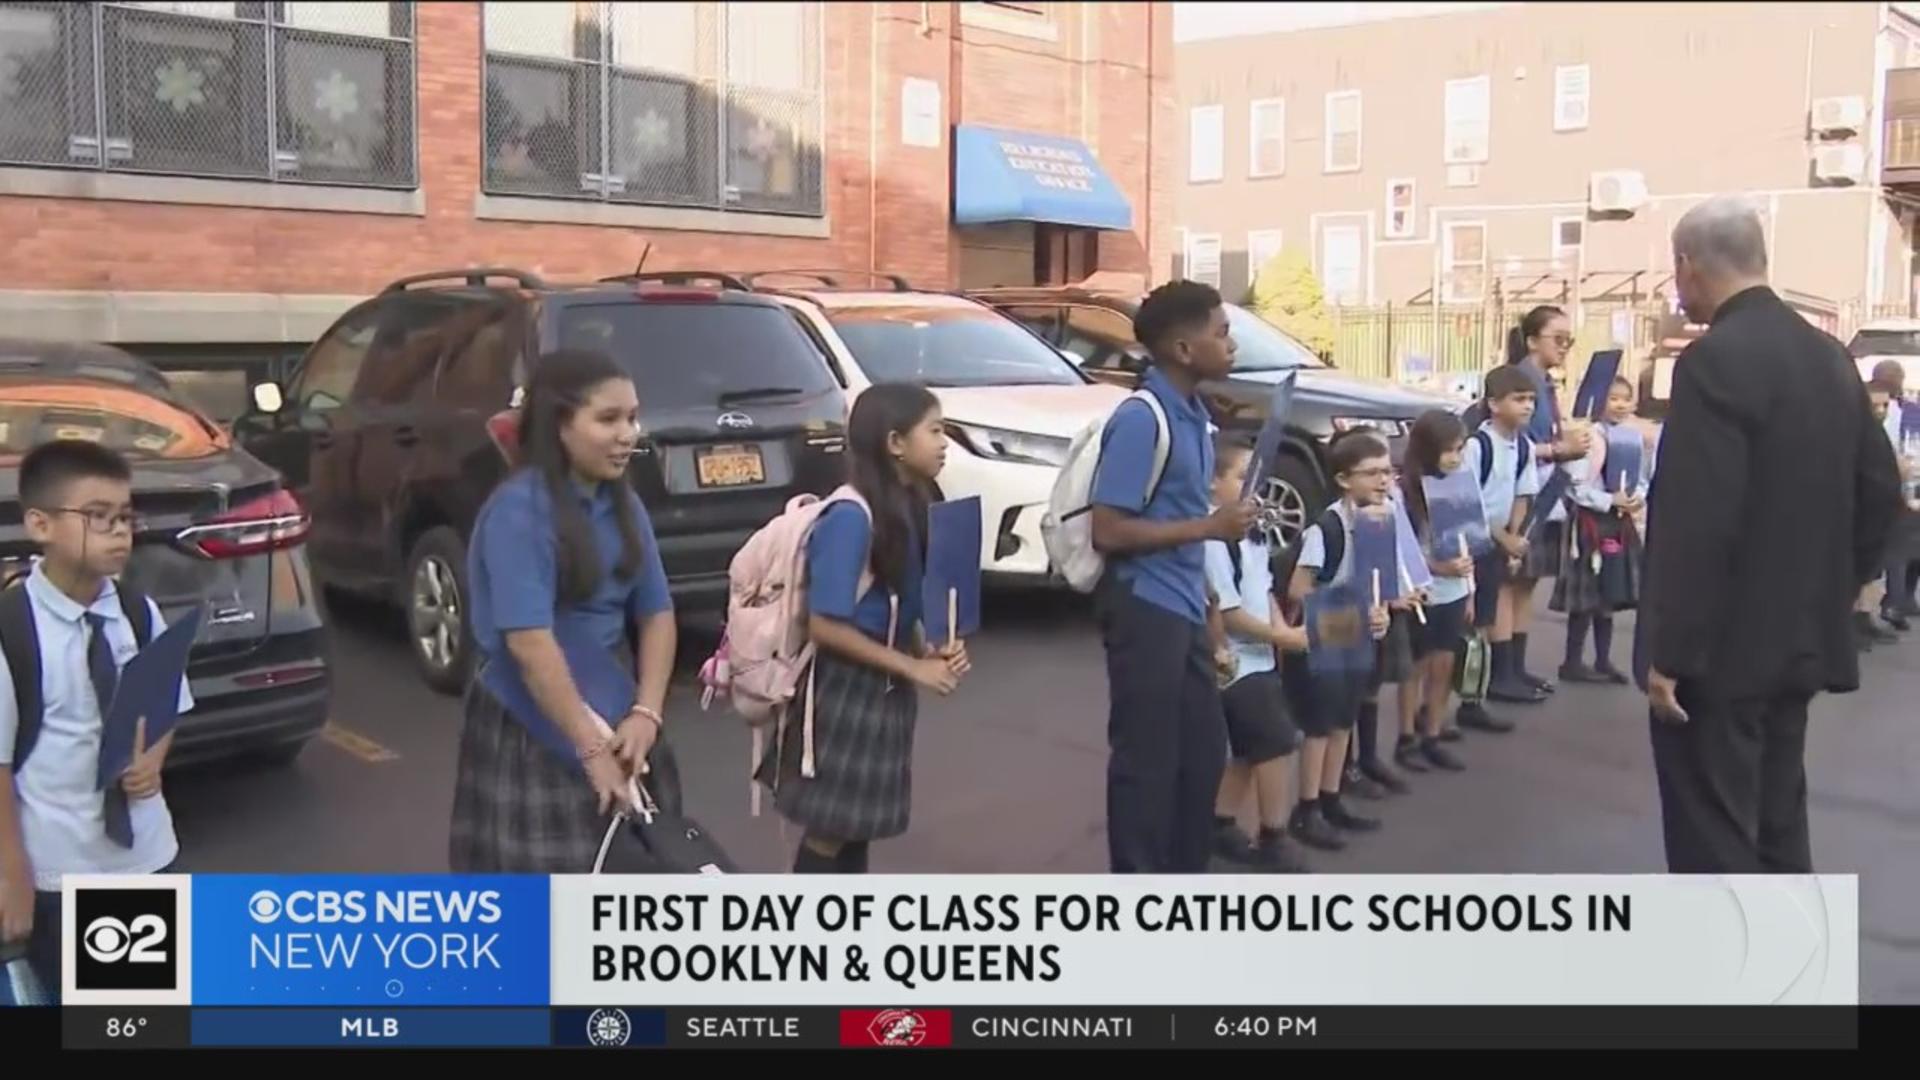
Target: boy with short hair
(1260, 735)
(1501, 455)
(78, 505)
(1363, 470)
(1165, 727)
(1903, 551)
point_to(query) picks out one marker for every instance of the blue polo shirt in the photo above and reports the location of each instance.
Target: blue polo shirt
(513, 576)
(1172, 578)
(1546, 408)
(837, 550)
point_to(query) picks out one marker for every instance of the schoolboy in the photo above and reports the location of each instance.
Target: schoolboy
(1501, 455)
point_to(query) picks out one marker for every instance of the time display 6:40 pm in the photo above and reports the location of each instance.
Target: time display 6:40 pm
(1265, 1027)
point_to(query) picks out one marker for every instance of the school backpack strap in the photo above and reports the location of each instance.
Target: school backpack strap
(1333, 541)
(1485, 442)
(133, 604)
(1162, 441)
(20, 641)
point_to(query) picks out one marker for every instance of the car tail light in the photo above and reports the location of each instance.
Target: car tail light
(273, 522)
(503, 428)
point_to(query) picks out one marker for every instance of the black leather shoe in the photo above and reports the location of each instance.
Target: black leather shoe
(1609, 673)
(1378, 772)
(1479, 719)
(1515, 692)
(1312, 829)
(1341, 818)
(1441, 757)
(1581, 673)
(1406, 754)
(1896, 620)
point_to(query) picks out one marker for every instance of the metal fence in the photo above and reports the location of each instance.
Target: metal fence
(313, 92)
(688, 104)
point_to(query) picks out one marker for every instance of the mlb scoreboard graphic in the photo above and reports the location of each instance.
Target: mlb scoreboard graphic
(947, 961)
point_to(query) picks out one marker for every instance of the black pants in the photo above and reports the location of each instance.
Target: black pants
(1167, 736)
(43, 945)
(1733, 786)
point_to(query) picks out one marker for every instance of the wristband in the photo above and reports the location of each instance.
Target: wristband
(648, 712)
(596, 749)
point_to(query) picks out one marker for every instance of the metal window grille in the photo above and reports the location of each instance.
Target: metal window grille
(714, 105)
(300, 92)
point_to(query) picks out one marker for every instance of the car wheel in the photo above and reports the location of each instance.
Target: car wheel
(436, 601)
(1295, 497)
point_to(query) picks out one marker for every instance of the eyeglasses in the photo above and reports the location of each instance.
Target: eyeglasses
(1371, 474)
(104, 522)
(1565, 341)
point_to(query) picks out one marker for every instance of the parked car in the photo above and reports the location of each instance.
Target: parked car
(400, 420)
(216, 532)
(1888, 339)
(1012, 403)
(1096, 328)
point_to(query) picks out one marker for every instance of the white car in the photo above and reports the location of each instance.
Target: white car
(1012, 402)
(1888, 339)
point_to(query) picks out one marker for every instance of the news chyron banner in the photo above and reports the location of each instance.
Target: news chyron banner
(430, 960)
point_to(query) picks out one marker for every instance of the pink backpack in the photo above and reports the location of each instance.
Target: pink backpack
(765, 649)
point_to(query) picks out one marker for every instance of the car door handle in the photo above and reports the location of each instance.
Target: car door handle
(406, 436)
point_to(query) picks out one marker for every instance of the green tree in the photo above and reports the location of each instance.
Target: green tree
(1287, 294)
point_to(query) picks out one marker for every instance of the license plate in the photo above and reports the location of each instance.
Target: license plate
(730, 466)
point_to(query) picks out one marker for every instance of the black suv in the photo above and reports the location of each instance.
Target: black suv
(216, 532)
(1095, 328)
(399, 422)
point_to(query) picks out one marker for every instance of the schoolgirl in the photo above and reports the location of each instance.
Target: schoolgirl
(1601, 574)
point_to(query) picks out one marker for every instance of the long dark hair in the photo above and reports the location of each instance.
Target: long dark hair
(1530, 326)
(1432, 434)
(562, 382)
(899, 508)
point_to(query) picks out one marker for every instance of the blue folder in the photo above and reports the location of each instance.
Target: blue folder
(1376, 552)
(1552, 493)
(1591, 399)
(1455, 510)
(1625, 448)
(1338, 638)
(149, 688)
(1267, 444)
(953, 569)
(1412, 557)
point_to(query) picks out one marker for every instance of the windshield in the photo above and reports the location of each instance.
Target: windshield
(136, 424)
(701, 354)
(1885, 343)
(949, 345)
(1262, 346)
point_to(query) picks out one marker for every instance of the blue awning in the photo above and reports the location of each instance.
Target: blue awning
(1002, 175)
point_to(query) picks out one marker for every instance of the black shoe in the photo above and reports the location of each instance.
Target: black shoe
(1516, 692)
(1478, 718)
(1406, 754)
(1340, 818)
(1896, 620)
(1882, 637)
(1363, 786)
(1440, 757)
(1273, 855)
(1611, 674)
(1378, 772)
(1452, 733)
(1311, 828)
(1232, 844)
(1545, 686)
(1580, 673)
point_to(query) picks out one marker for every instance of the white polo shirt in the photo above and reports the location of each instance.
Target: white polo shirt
(62, 815)
(1507, 482)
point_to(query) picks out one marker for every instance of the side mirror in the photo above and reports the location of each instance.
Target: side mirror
(267, 398)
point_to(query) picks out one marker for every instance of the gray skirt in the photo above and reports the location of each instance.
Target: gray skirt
(862, 787)
(1546, 554)
(519, 808)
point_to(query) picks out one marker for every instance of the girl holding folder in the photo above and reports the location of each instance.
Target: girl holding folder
(866, 559)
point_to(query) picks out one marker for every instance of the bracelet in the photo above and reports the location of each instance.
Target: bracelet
(596, 749)
(648, 712)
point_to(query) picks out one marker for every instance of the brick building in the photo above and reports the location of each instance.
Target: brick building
(211, 183)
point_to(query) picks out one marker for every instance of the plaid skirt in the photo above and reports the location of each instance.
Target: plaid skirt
(1580, 589)
(862, 786)
(518, 808)
(1546, 553)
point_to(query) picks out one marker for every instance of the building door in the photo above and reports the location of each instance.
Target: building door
(1063, 255)
(994, 256)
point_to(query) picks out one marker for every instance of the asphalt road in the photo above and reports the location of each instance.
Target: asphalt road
(1011, 769)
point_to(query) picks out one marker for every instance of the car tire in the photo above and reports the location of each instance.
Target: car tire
(435, 598)
(1298, 497)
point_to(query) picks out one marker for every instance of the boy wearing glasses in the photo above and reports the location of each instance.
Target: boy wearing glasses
(78, 503)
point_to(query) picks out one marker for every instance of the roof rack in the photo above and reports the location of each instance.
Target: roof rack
(832, 278)
(683, 277)
(476, 275)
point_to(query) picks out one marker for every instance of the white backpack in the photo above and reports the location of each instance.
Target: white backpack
(1067, 527)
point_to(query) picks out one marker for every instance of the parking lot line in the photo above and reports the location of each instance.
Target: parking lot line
(357, 744)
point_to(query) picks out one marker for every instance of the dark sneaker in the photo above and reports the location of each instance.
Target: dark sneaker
(1612, 675)
(1233, 844)
(1311, 828)
(1440, 757)
(1580, 673)
(1406, 754)
(1473, 716)
(1364, 787)
(1516, 692)
(1340, 817)
(1274, 855)
(1452, 733)
(1378, 772)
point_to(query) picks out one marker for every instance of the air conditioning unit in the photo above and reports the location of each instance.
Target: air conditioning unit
(1463, 176)
(1837, 115)
(1621, 191)
(1840, 164)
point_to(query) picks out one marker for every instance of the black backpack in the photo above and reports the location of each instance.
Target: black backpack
(1333, 533)
(20, 643)
(1486, 455)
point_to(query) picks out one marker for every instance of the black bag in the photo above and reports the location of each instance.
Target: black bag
(20, 643)
(652, 841)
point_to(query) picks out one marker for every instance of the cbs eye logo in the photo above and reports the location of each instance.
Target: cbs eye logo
(126, 939)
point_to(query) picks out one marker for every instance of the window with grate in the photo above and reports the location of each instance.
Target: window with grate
(300, 92)
(714, 105)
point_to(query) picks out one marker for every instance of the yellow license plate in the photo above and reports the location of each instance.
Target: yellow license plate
(730, 466)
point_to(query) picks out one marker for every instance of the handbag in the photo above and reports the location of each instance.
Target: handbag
(648, 840)
(1474, 669)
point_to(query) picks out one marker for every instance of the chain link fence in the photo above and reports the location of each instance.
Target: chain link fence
(313, 92)
(681, 104)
